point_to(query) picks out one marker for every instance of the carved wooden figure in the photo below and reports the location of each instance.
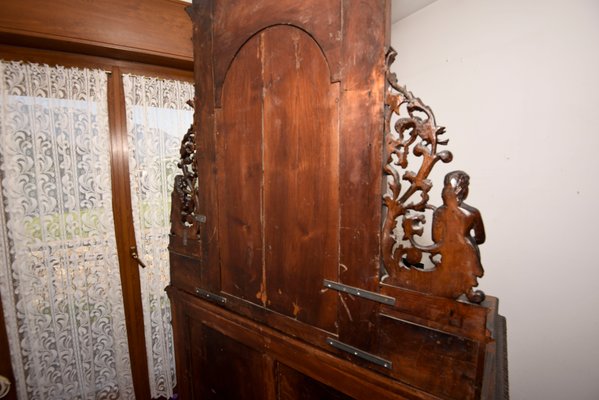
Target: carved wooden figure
(457, 228)
(289, 278)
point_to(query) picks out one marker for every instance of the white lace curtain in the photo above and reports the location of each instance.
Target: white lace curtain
(59, 273)
(157, 119)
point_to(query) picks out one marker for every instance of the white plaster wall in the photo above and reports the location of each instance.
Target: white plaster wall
(516, 83)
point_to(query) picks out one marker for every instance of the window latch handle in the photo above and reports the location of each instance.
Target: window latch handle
(135, 256)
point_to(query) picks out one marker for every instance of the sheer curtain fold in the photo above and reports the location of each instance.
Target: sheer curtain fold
(157, 119)
(59, 272)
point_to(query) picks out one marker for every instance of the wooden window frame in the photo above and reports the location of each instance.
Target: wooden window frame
(145, 37)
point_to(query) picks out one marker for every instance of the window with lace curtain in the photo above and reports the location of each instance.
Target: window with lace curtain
(59, 267)
(157, 118)
(59, 273)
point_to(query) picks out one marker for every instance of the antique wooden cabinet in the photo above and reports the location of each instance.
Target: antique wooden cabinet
(299, 268)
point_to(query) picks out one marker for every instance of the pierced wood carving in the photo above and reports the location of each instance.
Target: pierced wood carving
(184, 219)
(457, 228)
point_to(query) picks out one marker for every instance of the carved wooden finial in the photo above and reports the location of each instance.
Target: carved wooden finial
(457, 228)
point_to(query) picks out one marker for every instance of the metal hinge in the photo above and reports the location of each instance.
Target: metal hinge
(360, 353)
(210, 296)
(360, 292)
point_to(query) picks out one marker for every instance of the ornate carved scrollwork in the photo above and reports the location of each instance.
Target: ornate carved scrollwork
(184, 218)
(456, 229)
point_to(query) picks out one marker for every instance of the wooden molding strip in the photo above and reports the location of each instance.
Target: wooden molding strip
(150, 31)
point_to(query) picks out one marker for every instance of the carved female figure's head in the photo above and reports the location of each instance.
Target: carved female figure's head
(455, 187)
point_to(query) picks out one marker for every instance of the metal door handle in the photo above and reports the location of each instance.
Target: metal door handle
(135, 256)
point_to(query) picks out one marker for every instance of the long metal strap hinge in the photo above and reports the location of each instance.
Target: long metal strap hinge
(360, 292)
(210, 296)
(360, 354)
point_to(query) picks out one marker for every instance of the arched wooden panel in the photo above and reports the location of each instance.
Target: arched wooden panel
(322, 19)
(278, 173)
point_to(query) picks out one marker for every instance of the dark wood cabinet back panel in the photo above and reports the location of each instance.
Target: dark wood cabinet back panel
(292, 127)
(278, 169)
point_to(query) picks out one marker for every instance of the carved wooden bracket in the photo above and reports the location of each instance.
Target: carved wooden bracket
(456, 228)
(185, 222)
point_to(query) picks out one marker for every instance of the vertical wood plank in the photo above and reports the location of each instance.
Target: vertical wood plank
(301, 172)
(361, 132)
(204, 122)
(239, 163)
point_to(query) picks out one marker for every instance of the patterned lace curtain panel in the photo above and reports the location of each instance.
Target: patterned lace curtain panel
(157, 119)
(59, 272)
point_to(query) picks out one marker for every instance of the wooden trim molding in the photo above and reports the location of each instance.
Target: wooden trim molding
(125, 235)
(150, 31)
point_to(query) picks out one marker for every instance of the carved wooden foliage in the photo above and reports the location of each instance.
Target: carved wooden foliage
(184, 219)
(456, 227)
